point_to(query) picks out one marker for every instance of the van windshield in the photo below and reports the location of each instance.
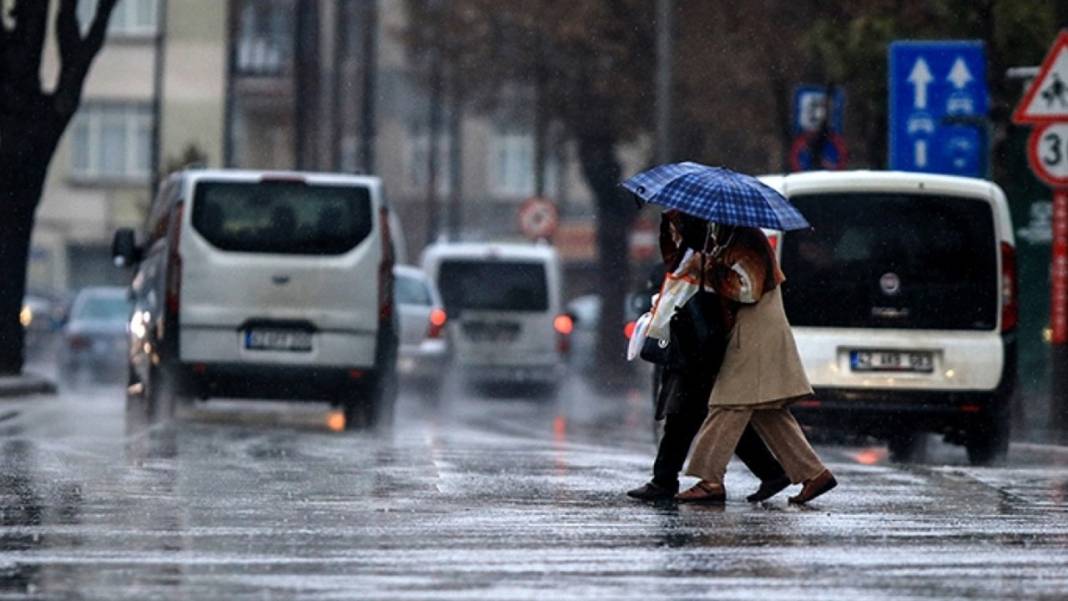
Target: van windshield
(282, 218)
(493, 286)
(908, 261)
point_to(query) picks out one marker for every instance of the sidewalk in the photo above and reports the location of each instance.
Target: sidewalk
(25, 384)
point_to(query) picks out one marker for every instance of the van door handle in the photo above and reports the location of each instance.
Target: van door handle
(281, 280)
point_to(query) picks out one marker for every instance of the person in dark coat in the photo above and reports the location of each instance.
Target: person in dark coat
(682, 402)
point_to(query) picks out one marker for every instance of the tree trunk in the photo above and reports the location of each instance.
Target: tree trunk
(615, 213)
(21, 182)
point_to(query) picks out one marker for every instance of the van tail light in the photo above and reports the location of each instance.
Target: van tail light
(1010, 302)
(564, 325)
(174, 261)
(385, 267)
(438, 318)
(628, 330)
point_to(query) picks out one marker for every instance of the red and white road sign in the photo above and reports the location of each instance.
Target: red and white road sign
(1046, 99)
(1047, 153)
(1058, 314)
(538, 218)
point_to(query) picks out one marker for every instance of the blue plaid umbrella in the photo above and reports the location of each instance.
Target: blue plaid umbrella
(716, 194)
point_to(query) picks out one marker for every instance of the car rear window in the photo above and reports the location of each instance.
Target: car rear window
(102, 308)
(910, 261)
(411, 291)
(282, 217)
(493, 286)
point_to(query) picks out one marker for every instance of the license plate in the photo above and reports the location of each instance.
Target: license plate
(892, 361)
(278, 340)
(477, 331)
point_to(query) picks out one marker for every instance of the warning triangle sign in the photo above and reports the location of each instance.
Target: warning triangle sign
(1046, 99)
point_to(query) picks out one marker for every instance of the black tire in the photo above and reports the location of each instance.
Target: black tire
(987, 438)
(908, 447)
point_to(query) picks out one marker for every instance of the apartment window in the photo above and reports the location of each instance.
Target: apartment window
(417, 159)
(130, 17)
(111, 142)
(511, 164)
(265, 37)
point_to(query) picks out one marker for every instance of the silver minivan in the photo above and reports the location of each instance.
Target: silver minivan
(505, 309)
(265, 285)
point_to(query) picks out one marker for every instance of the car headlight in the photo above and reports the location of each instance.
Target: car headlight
(26, 316)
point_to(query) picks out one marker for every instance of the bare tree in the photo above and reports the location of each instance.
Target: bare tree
(32, 120)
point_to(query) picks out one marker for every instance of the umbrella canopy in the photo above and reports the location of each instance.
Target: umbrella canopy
(716, 194)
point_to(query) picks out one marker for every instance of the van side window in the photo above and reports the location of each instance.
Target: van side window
(159, 213)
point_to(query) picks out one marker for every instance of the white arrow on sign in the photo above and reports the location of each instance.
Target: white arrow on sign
(920, 76)
(959, 75)
(920, 152)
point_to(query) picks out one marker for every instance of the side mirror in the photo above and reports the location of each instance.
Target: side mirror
(124, 250)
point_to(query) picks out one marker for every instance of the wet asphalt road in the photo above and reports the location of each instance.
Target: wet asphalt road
(490, 498)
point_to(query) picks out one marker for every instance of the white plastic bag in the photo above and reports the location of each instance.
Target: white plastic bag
(678, 287)
(637, 338)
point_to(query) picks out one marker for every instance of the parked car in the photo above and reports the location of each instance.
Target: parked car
(258, 284)
(423, 355)
(94, 339)
(586, 312)
(903, 302)
(505, 308)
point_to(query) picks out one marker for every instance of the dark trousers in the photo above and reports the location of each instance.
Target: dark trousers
(679, 431)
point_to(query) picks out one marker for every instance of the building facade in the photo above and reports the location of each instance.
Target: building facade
(280, 84)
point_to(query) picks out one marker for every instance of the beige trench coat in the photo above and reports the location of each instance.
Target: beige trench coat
(761, 365)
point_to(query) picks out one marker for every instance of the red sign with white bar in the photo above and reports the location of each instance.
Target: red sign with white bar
(1059, 292)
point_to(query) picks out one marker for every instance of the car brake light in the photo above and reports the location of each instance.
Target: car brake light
(563, 324)
(628, 330)
(438, 318)
(174, 260)
(1010, 306)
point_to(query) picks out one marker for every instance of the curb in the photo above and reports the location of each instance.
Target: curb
(25, 384)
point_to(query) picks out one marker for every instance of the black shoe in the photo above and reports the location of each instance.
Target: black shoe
(651, 491)
(768, 489)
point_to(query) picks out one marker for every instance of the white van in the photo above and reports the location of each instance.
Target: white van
(265, 285)
(504, 303)
(903, 302)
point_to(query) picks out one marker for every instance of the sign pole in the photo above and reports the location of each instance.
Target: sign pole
(1059, 315)
(1045, 106)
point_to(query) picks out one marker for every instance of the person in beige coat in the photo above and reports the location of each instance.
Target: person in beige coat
(761, 372)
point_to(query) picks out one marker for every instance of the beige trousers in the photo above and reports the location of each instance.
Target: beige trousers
(723, 428)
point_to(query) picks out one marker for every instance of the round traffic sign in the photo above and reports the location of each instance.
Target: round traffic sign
(538, 218)
(1047, 153)
(832, 152)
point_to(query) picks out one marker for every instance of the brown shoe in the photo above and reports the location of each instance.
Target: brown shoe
(703, 492)
(815, 487)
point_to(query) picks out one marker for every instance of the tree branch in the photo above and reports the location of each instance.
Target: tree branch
(26, 46)
(76, 58)
(67, 35)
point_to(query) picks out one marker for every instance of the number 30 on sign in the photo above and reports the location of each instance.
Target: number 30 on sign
(1047, 152)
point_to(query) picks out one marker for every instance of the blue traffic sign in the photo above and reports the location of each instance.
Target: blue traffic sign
(813, 108)
(938, 107)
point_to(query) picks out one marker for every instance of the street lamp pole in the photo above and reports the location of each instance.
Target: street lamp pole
(155, 153)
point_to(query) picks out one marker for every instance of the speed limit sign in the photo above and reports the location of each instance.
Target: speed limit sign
(1047, 152)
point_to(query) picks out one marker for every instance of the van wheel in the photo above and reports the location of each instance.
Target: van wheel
(371, 405)
(908, 447)
(987, 438)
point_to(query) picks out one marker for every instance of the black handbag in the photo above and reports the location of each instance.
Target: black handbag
(691, 359)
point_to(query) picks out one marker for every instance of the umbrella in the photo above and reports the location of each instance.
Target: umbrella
(716, 194)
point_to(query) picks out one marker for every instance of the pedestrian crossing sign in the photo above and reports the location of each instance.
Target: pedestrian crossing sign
(1046, 99)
